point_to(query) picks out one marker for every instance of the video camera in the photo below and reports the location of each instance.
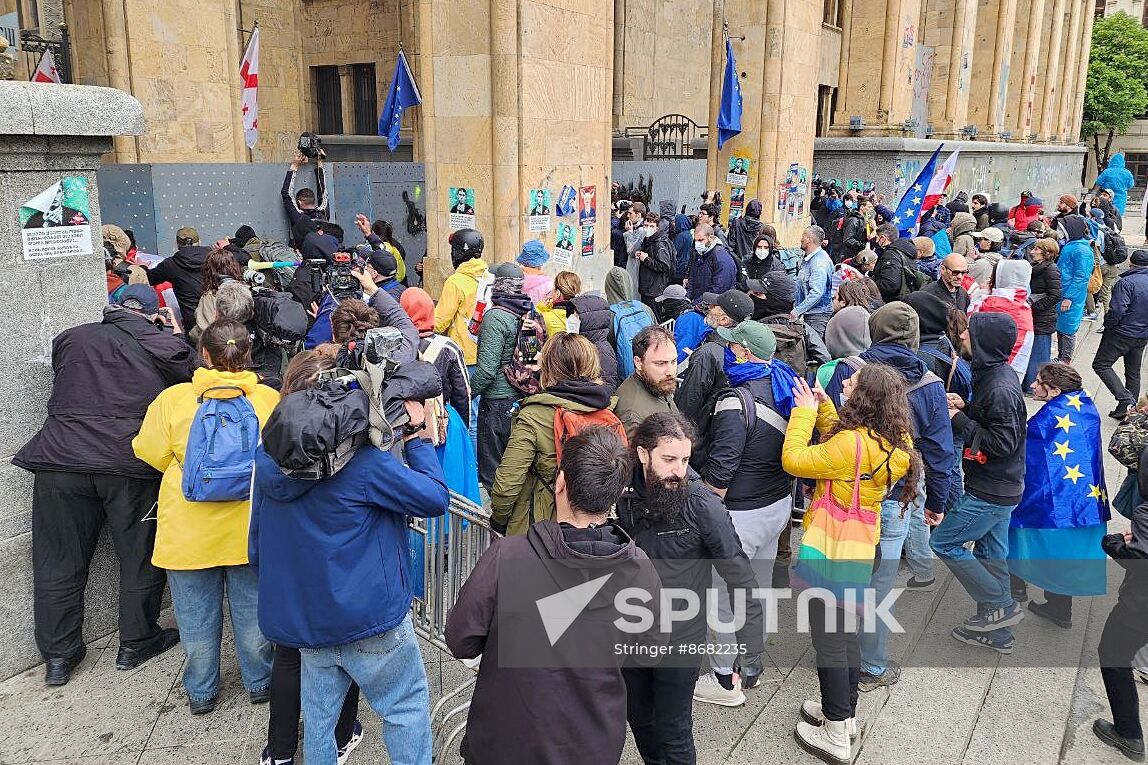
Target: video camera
(310, 145)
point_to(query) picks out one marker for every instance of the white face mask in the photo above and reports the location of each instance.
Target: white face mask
(649, 230)
(701, 247)
(761, 253)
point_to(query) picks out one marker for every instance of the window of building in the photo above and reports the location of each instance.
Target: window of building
(328, 99)
(366, 100)
(1137, 164)
(830, 12)
(826, 104)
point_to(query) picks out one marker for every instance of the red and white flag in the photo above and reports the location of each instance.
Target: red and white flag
(249, 76)
(940, 182)
(46, 69)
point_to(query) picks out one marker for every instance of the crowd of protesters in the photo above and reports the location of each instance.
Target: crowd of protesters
(866, 385)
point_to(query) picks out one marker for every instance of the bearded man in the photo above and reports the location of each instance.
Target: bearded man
(651, 388)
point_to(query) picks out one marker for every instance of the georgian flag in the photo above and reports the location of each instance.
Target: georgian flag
(249, 76)
(940, 183)
(46, 69)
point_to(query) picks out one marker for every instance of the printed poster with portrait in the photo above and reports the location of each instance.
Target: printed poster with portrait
(56, 223)
(538, 210)
(587, 241)
(738, 174)
(461, 202)
(736, 203)
(564, 245)
(587, 206)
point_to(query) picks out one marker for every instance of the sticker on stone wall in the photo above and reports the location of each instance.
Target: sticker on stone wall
(738, 174)
(56, 222)
(736, 203)
(588, 206)
(587, 241)
(564, 245)
(461, 202)
(538, 210)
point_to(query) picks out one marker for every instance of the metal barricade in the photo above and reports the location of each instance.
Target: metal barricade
(449, 547)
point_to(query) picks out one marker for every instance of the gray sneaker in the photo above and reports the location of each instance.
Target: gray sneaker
(990, 621)
(887, 678)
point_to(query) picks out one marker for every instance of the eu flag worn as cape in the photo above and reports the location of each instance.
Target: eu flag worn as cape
(1055, 531)
(905, 219)
(729, 115)
(402, 95)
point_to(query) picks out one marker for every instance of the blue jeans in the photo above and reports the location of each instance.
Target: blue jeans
(470, 370)
(389, 670)
(894, 530)
(957, 485)
(918, 554)
(1041, 355)
(197, 597)
(983, 572)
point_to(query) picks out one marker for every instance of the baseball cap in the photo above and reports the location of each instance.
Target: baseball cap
(754, 335)
(992, 234)
(865, 258)
(737, 305)
(672, 292)
(187, 235)
(139, 297)
(1110, 192)
(777, 284)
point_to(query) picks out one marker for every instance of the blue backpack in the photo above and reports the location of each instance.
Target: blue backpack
(220, 451)
(630, 318)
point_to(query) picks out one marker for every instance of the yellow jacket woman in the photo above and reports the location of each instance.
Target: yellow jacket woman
(456, 305)
(203, 545)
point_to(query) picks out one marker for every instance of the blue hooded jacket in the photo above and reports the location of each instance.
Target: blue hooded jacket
(332, 555)
(1075, 264)
(1117, 177)
(932, 432)
(683, 245)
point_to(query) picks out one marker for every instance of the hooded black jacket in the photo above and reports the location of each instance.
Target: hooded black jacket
(888, 272)
(746, 461)
(995, 422)
(1044, 296)
(103, 385)
(184, 270)
(563, 713)
(685, 547)
(1133, 556)
(655, 271)
(853, 238)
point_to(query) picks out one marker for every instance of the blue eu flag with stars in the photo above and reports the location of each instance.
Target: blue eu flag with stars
(905, 219)
(402, 95)
(729, 113)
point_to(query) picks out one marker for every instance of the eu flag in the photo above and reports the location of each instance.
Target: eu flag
(905, 219)
(1055, 531)
(402, 95)
(729, 115)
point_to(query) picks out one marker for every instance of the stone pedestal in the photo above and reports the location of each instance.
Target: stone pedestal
(46, 132)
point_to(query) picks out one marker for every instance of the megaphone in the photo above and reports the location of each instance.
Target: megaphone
(263, 265)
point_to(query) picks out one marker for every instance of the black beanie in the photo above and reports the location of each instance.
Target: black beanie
(931, 310)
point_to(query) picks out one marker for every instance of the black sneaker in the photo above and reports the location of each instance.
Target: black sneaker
(261, 696)
(131, 656)
(1120, 412)
(997, 618)
(205, 707)
(1045, 612)
(916, 585)
(1132, 748)
(984, 640)
(887, 678)
(59, 669)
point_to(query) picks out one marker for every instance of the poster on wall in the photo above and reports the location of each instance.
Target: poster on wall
(56, 223)
(738, 174)
(564, 245)
(736, 203)
(587, 241)
(588, 206)
(461, 201)
(538, 211)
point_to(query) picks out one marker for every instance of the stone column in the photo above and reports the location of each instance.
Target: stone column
(990, 93)
(46, 132)
(1073, 134)
(1053, 73)
(778, 100)
(948, 30)
(1028, 37)
(880, 45)
(516, 96)
(1068, 80)
(119, 69)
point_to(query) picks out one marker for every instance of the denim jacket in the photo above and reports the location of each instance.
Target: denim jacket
(814, 275)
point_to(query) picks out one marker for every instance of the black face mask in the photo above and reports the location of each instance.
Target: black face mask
(760, 307)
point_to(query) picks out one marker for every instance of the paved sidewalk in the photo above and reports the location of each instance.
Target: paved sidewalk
(1000, 712)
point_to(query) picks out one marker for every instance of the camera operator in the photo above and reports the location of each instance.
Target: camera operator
(305, 554)
(304, 203)
(106, 374)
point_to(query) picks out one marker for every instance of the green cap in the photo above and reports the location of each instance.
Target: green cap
(753, 335)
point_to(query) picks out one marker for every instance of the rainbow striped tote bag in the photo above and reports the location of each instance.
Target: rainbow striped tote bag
(838, 546)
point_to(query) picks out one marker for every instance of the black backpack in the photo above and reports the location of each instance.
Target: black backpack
(280, 320)
(1115, 248)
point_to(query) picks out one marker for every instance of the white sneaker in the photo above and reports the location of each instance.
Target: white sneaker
(812, 714)
(709, 691)
(829, 742)
(344, 752)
